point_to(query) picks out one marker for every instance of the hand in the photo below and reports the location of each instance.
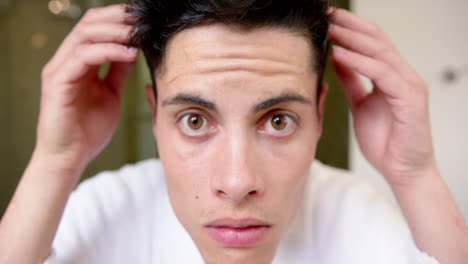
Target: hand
(79, 111)
(392, 122)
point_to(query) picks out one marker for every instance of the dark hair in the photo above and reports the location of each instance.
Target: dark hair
(155, 21)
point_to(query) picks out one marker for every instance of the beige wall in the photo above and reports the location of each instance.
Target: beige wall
(432, 35)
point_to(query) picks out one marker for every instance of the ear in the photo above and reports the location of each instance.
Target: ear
(321, 105)
(150, 96)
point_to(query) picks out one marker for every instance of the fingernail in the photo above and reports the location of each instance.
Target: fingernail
(131, 50)
(339, 50)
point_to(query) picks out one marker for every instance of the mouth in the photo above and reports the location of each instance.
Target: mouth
(238, 233)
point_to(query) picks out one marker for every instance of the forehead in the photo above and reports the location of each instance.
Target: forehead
(217, 50)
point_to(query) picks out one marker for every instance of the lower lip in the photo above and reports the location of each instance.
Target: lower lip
(238, 237)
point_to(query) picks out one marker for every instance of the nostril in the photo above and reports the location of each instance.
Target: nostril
(223, 194)
(220, 194)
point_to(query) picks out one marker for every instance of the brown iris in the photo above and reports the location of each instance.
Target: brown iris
(195, 121)
(278, 122)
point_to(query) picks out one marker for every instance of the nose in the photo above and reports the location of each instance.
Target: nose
(236, 180)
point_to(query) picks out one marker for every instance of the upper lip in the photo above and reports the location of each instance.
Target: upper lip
(237, 223)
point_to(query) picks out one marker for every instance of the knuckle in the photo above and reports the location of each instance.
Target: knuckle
(384, 70)
(381, 51)
(115, 50)
(426, 93)
(126, 29)
(79, 53)
(121, 34)
(423, 84)
(80, 29)
(91, 14)
(419, 83)
(45, 72)
(390, 56)
(421, 89)
(423, 98)
(424, 88)
(376, 28)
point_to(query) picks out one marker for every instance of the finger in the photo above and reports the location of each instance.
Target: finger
(90, 33)
(118, 75)
(92, 55)
(102, 32)
(352, 84)
(346, 19)
(372, 47)
(113, 14)
(359, 42)
(109, 14)
(384, 76)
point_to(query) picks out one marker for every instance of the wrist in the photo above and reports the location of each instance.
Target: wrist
(412, 179)
(413, 184)
(435, 221)
(55, 168)
(64, 162)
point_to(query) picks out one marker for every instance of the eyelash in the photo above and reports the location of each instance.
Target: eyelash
(266, 121)
(181, 122)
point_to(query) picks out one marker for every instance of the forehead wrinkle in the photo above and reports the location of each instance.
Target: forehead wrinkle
(231, 63)
(266, 56)
(201, 53)
(257, 65)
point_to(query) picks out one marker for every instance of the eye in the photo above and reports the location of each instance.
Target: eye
(193, 124)
(195, 121)
(280, 124)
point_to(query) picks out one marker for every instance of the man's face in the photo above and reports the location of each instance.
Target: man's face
(237, 125)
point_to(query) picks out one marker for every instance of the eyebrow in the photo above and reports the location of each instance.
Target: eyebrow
(282, 98)
(190, 99)
(265, 104)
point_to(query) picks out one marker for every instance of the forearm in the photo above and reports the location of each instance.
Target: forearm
(435, 221)
(28, 227)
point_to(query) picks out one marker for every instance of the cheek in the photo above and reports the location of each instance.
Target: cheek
(288, 168)
(296, 154)
(185, 164)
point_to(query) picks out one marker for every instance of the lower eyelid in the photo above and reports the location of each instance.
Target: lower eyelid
(207, 128)
(279, 133)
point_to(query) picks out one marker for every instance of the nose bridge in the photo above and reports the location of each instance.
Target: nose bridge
(237, 179)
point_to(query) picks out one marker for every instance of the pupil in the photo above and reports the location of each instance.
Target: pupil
(195, 121)
(278, 122)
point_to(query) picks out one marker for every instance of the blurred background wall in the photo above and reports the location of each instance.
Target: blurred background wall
(433, 37)
(31, 31)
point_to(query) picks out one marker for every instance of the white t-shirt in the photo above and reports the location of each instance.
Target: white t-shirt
(125, 217)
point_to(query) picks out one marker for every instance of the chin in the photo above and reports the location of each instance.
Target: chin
(238, 255)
